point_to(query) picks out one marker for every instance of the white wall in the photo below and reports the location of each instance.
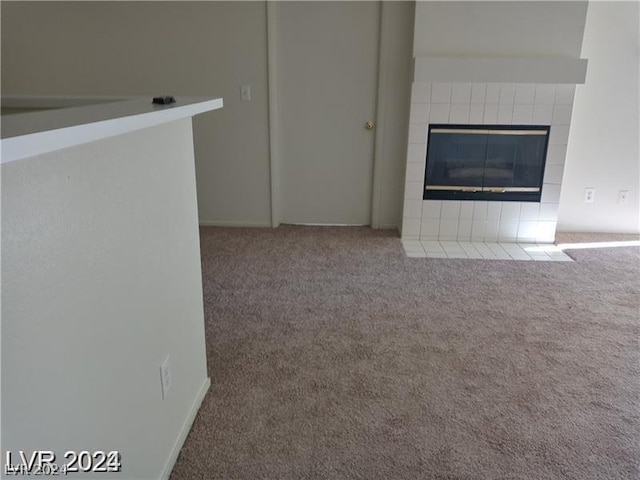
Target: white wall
(101, 281)
(603, 149)
(147, 48)
(195, 48)
(519, 29)
(397, 35)
(603, 145)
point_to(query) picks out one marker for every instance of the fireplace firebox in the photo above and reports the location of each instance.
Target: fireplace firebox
(485, 162)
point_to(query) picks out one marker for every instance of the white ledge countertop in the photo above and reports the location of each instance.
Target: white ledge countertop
(28, 134)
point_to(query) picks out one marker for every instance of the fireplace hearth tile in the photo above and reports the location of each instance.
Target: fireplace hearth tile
(478, 93)
(476, 113)
(559, 135)
(542, 114)
(457, 255)
(431, 208)
(525, 93)
(508, 231)
(560, 257)
(436, 255)
(515, 251)
(505, 113)
(464, 230)
(440, 92)
(485, 251)
(420, 113)
(410, 228)
(415, 170)
(461, 93)
(565, 94)
(430, 228)
(450, 209)
(432, 247)
(477, 230)
(507, 94)
(491, 113)
(416, 153)
(451, 247)
(471, 250)
(546, 231)
(413, 191)
(553, 174)
(421, 92)
(561, 114)
(494, 210)
(448, 228)
(491, 229)
(499, 252)
(542, 258)
(550, 193)
(522, 114)
(493, 93)
(439, 113)
(459, 113)
(466, 209)
(413, 208)
(548, 212)
(529, 211)
(527, 231)
(412, 246)
(510, 211)
(545, 94)
(487, 103)
(480, 210)
(417, 133)
(556, 154)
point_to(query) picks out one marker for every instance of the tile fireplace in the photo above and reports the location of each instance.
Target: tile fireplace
(493, 192)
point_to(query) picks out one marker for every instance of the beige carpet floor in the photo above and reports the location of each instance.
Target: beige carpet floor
(334, 356)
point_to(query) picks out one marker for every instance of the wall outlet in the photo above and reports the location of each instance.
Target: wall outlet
(623, 197)
(589, 195)
(165, 377)
(245, 93)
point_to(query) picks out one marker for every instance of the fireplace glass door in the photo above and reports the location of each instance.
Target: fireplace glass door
(481, 162)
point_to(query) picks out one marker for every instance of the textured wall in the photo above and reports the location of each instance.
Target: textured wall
(192, 48)
(100, 282)
(603, 146)
(155, 48)
(508, 29)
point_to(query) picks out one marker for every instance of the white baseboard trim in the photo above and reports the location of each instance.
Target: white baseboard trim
(388, 227)
(225, 223)
(175, 451)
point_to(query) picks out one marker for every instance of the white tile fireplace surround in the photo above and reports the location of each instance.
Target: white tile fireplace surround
(486, 104)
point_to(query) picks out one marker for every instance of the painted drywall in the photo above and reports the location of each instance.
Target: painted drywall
(195, 48)
(508, 29)
(396, 41)
(603, 147)
(151, 48)
(101, 281)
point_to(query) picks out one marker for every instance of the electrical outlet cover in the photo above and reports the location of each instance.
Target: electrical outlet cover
(589, 195)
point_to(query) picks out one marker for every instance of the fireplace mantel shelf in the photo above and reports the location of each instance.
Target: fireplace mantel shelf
(558, 70)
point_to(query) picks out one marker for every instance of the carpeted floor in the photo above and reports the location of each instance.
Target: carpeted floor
(334, 356)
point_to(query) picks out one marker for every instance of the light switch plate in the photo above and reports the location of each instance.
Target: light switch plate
(245, 93)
